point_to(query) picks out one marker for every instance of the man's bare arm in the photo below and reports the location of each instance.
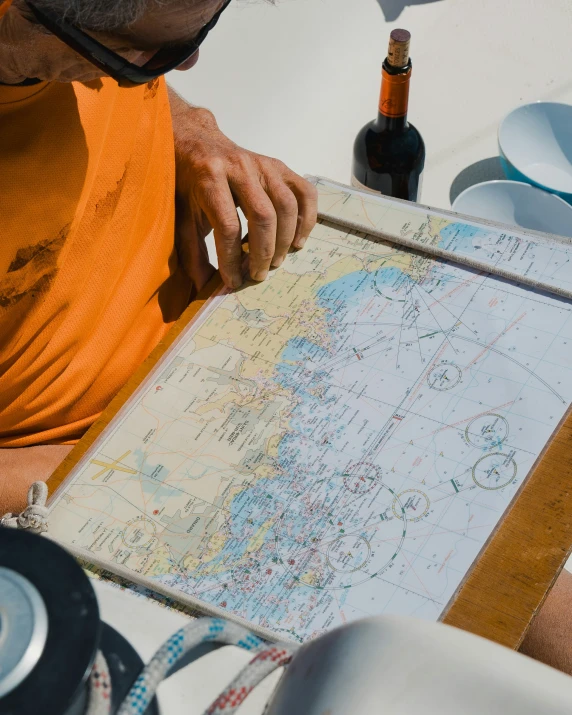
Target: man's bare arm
(549, 639)
(20, 467)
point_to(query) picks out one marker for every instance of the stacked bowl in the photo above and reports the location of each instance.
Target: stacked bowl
(535, 146)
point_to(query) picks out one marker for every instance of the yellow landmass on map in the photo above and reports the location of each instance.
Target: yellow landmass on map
(219, 404)
(273, 444)
(160, 562)
(309, 578)
(258, 539)
(435, 225)
(201, 342)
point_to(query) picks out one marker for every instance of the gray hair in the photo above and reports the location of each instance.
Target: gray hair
(105, 15)
(99, 14)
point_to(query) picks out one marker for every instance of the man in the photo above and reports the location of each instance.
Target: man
(95, 262)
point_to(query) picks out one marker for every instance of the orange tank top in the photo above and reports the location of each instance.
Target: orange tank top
(89, 276)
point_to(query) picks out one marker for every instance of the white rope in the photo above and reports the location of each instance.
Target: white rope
(99, 688)
(249, 677)
(34, 518)
(205, 630)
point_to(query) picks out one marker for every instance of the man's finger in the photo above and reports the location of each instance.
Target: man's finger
(286, 207)
(307, 197)
(262, 221)
(218, 204)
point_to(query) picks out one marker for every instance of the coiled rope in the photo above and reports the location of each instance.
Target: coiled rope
(267, 658)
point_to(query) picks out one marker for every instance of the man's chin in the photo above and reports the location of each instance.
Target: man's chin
(191, 62)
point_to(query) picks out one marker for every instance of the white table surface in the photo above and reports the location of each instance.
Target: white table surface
(297, 81)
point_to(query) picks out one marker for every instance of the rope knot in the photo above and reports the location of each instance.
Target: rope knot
(34, 518)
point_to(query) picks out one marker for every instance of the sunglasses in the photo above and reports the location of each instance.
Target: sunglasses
(125, 73)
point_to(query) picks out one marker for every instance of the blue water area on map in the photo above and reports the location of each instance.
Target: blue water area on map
(342, 292)
(152, 476)
(389, 276)
(246, 571)
(309, 380)
(460, 237)
(304, 365)
(300, 350)
(341, 296)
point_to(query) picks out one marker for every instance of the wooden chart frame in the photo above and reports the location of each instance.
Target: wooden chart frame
(518, 566)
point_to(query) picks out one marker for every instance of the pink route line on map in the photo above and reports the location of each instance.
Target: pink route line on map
(498, 337)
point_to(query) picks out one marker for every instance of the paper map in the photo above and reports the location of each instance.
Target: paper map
(340, 440)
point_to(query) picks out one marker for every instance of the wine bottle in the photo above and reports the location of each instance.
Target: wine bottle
(389, 153)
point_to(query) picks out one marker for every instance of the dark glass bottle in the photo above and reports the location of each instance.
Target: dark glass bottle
(389, 153)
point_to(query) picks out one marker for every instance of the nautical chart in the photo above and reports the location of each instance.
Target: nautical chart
(338, 441)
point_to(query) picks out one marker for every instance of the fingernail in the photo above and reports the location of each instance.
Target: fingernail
(277, 261)
(234, 281)
(260, 276)
(299, 243)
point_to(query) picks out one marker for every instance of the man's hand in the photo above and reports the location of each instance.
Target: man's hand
(214, 176)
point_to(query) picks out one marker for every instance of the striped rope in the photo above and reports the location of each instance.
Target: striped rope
(249, 677)
(204, 630)
(99, 688)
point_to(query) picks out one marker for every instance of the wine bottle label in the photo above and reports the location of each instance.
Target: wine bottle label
(394, 99)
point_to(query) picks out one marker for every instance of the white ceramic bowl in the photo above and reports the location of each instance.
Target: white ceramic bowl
(517, 204)
(535, 143)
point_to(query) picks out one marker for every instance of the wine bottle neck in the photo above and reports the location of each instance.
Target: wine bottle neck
(390, 124)
(394, 97)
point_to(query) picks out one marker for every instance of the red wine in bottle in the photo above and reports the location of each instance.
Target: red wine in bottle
(389, 153)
